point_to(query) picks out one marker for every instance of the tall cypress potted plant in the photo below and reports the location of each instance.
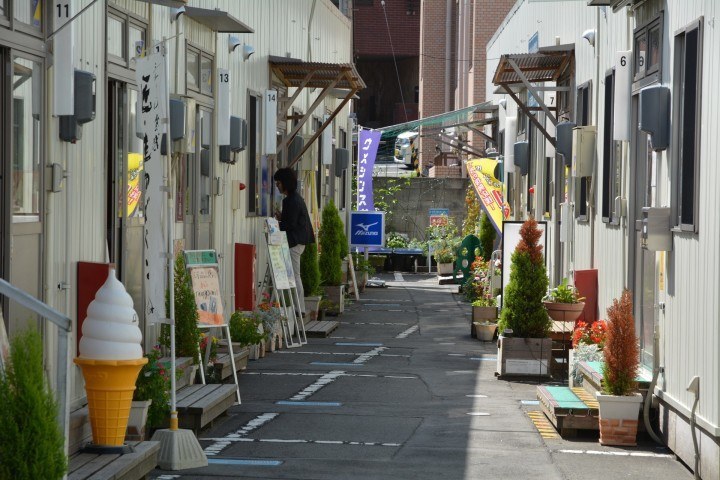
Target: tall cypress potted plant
(524, 324)
(619, 401)
(333, 244)
(187, 333)
(310, 275)
(31, 443)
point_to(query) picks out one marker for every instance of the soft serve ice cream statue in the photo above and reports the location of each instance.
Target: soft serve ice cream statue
(111, 330)
(110, 356)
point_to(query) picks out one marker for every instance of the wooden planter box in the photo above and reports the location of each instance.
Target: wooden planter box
(445, 268)
(523, 357)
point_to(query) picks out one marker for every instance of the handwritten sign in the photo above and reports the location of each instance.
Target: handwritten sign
(288, 261)
(151, 77)
(206, 288)
(279, 272)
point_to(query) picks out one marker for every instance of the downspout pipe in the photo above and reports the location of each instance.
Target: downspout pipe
(448, 44)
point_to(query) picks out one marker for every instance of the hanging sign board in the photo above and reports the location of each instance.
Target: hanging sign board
(204, 274)
(367, 229)
(439, 216)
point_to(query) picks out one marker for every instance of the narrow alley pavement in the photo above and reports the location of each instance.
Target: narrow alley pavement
(401, 391)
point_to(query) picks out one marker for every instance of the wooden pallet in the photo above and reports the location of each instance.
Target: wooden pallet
(569, 410)
(131, 466)
(320, 329)
(199, 405)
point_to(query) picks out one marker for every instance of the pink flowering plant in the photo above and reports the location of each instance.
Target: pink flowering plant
(478, 288)
(269, 313)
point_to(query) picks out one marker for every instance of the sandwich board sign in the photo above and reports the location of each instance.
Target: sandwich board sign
(367, 229)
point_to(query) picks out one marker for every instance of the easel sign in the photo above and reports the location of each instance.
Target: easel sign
(278, 267)
(202, 265)
(203, 269)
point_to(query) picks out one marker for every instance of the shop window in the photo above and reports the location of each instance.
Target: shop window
(647, 51)
(583, 112)
(199, 68)
(610, 159)
(29, 12)
(124, 33)
(26, 140)
(252, 150)
(686, 121)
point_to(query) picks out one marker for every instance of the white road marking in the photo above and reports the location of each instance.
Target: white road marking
(221, 443)
(317, 385)
(618, 453)
(294, 352)
(369, 355)
(399, 277)
(407, 332)
(317, 442)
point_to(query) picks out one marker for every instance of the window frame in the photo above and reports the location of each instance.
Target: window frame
(653, 74)
(678, 192)
(583, 117)
(202, 55)
(254, 143)
(610, 164)
(128, 20)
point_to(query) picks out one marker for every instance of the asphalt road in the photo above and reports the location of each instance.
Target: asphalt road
(401, 391)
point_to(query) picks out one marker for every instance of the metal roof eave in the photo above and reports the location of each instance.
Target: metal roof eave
(217, 20)
(547, 64)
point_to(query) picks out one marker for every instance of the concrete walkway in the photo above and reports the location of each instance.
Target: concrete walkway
(401, 391)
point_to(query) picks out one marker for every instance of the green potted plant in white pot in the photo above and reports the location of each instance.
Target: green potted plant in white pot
(620, 401)
(333, 248)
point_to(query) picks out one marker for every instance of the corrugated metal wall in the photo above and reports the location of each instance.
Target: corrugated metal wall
(282, 28)
(690, 331)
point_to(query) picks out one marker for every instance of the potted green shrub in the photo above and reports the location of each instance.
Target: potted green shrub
(310, 275)
(363, 270)
(444, 240)
(487, 236)
(619, 401)
(333, 248)
(524, 324)
(563, 303)
(187, 333)
(150, 407)
(246, 329)
(31, 443)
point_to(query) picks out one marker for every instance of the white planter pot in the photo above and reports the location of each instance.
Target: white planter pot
(311, 307)
(445, 268)
(485, 331)
(619, 418)
(137, 420)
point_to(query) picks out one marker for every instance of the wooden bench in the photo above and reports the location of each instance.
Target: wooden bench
(199, 405)
(322, 329)
(224, 366)
(569, 409)
(131, 466)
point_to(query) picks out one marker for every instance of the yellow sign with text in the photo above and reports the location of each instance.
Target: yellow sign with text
(490, 190)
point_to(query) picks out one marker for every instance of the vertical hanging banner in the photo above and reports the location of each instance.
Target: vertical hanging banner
(368, 142)
(489, 189)
(270, 122)
(63, 57)
(151, 77)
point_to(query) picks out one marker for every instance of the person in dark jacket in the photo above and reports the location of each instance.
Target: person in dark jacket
(295, 222)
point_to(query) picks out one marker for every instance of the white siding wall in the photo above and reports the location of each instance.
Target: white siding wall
(690, 330)
(281, 28)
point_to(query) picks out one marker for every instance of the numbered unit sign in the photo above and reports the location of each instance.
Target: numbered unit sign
(270, 117)
(63, 59)
(223, 107)
(622, 96)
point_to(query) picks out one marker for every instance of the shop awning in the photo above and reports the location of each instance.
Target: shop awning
(340, 80)
(443, 120)
(217, 20)
(525, 70)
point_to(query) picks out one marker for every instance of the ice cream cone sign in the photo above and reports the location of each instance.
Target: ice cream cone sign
(110, 357)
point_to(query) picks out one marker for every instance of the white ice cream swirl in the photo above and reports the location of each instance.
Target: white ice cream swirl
(110, 331)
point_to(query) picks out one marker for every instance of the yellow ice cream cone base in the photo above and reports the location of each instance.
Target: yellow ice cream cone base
(109, 385)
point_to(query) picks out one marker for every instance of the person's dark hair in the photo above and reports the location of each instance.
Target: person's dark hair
(288, 178)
